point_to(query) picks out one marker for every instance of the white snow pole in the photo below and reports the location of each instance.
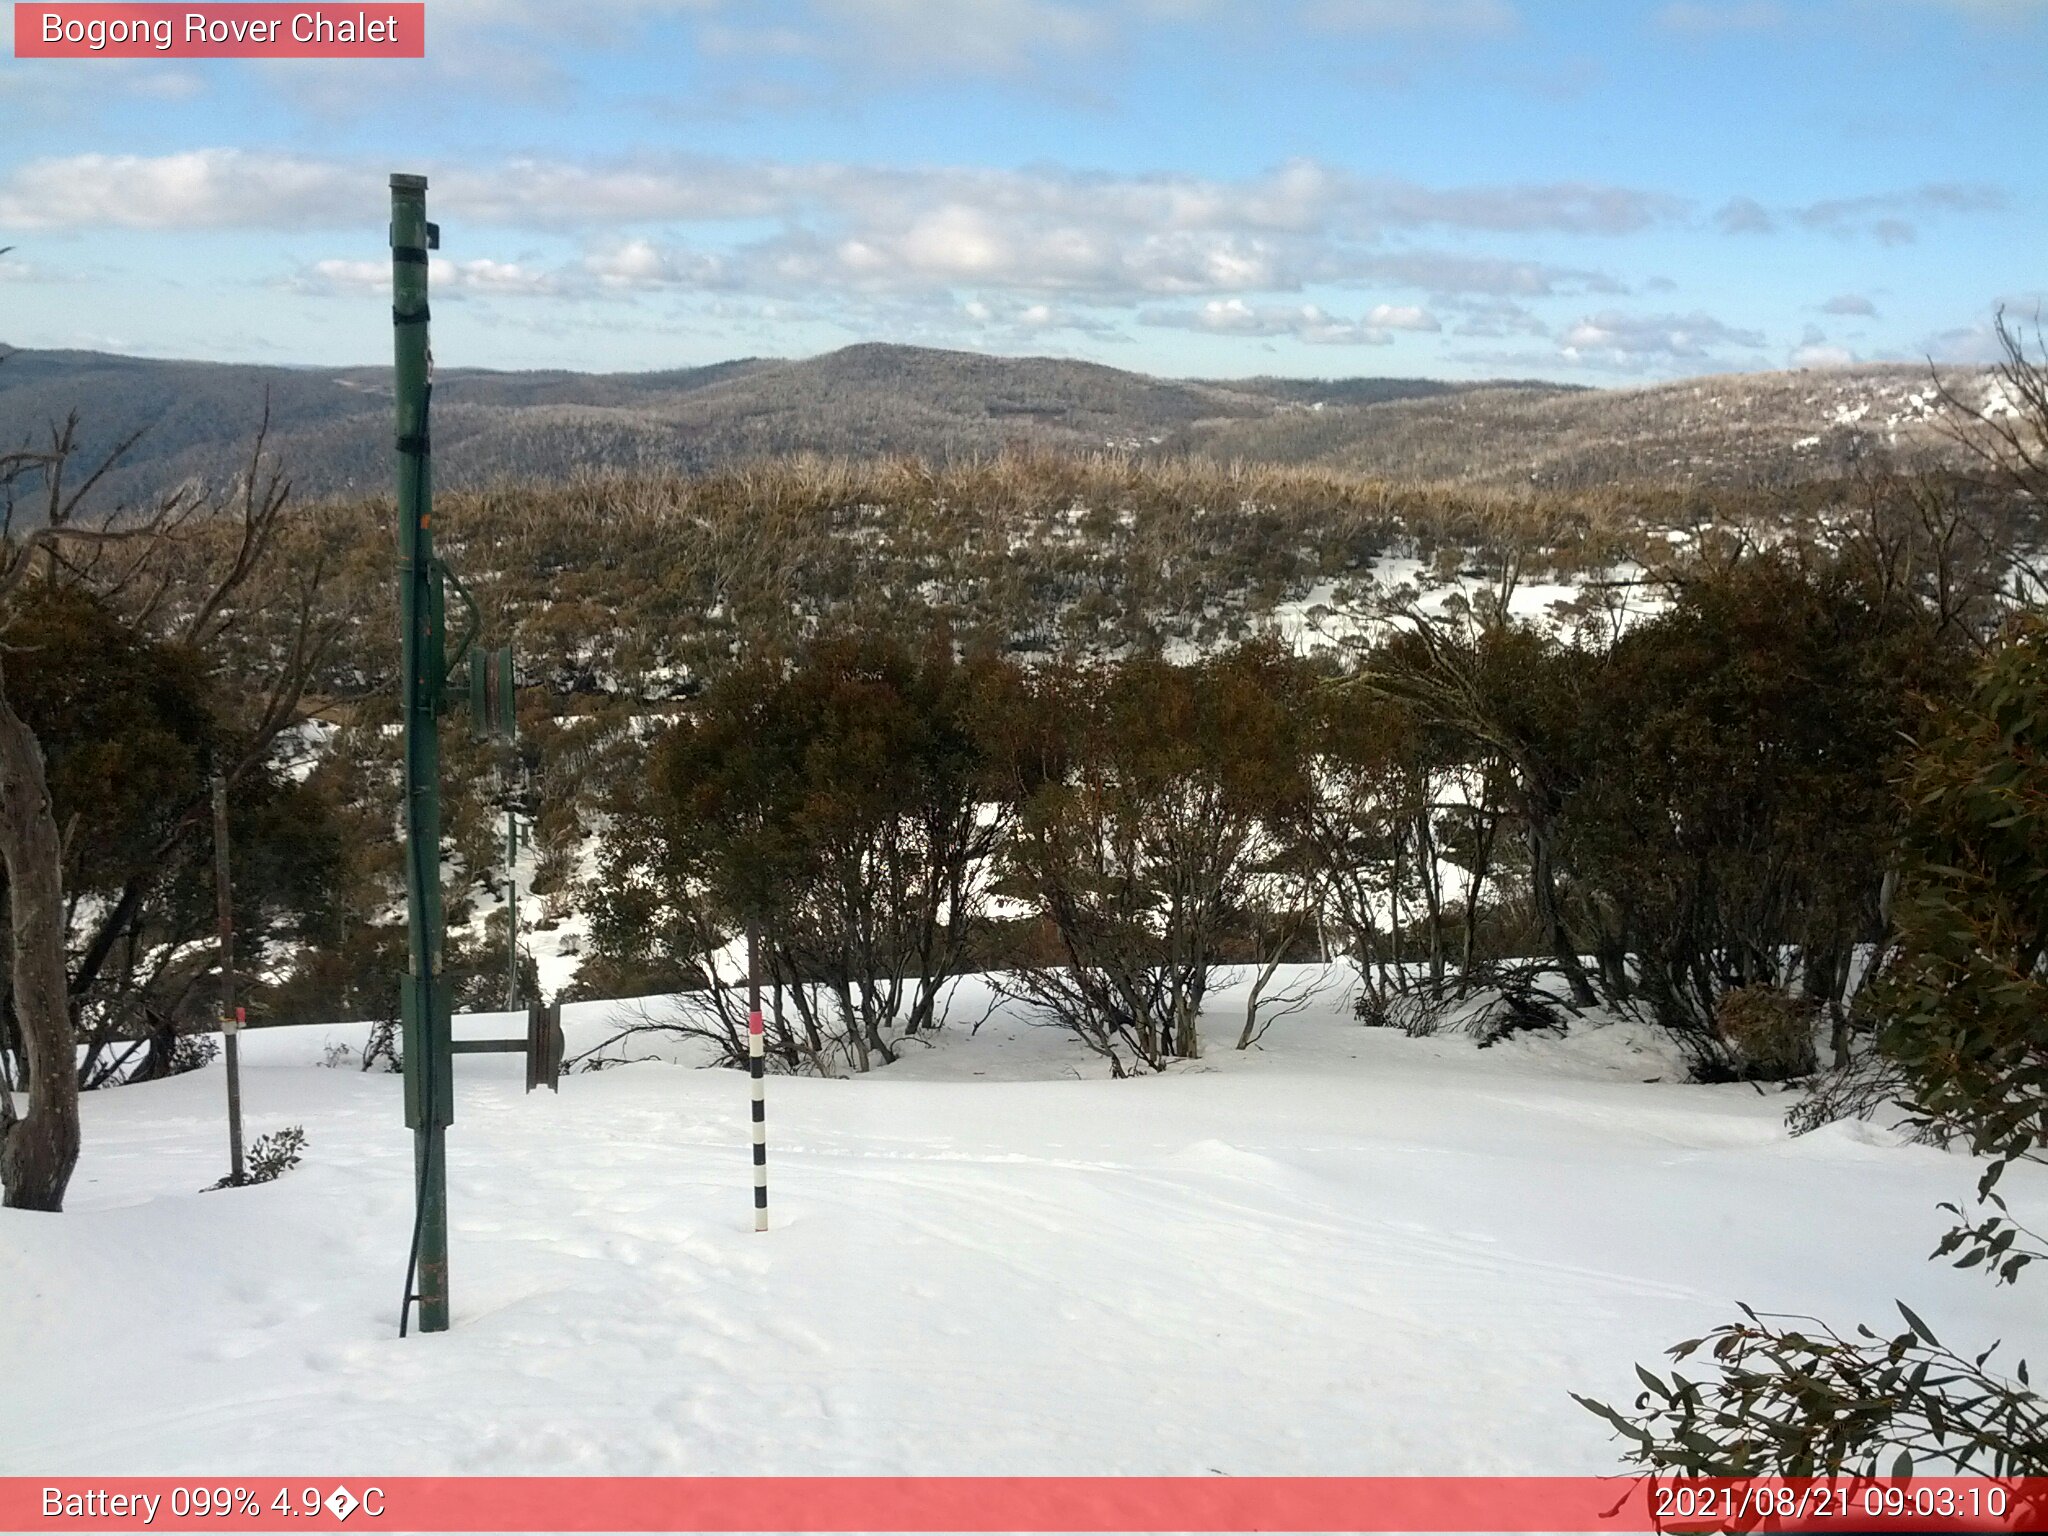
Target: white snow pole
(757, 1069)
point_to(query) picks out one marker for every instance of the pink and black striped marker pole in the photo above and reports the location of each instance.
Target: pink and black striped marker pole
(757, 1069)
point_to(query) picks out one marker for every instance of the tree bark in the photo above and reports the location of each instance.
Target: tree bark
(38, 1149)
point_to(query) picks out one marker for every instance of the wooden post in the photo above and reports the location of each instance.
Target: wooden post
(511, 899)
(230, 1016)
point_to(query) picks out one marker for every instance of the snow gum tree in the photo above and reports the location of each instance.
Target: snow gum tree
(839, 806)
(1158, 794)
(1964, 1004)
(143, 683)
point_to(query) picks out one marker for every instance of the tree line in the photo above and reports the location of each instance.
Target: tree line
(1702, 803)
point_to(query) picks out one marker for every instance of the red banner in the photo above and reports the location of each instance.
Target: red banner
(365, 30)
(1062, 1504)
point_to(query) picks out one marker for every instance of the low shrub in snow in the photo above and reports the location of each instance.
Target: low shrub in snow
(191, 1053)
(269, 1156)
(383, 1046)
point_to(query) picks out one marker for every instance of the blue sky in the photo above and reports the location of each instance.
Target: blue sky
(1575, 189)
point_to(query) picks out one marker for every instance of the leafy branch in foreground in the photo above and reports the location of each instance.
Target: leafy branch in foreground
(1803, 1401)
(1993, 1241)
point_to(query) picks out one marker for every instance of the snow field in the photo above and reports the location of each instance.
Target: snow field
(1350, 1252)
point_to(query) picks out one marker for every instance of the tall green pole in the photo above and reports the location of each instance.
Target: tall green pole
(428, 1059)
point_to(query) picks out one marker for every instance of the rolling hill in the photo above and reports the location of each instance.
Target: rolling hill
(332, 426)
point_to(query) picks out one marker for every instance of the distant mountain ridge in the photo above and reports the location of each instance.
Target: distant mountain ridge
(331, 427)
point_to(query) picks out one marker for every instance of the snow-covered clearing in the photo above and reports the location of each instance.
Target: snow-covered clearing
(1350, 1252)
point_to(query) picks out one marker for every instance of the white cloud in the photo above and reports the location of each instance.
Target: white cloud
(1745, 216)
(1495, 318)
(860, 38)
(1043, 249)
(1471, 18)
(964, 245)
(1402, 317)
(1883, 216)
(500, 279)
(955, 209)
(1850, 304)
(1703, 16)
(643, 264)
(1977, 343)
(192, 189)
(1446, 272)
(967, 36)
(1305, 322)
(1625, 340)
(2007, 12)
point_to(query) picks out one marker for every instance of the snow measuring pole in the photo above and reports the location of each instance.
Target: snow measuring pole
(757, 1064)
(427, 998)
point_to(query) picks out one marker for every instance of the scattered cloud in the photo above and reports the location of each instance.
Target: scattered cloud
(865, 41)
(1468, 18)
(721, 40)
(1445, 272)
(1886, 217)
(1816, 351)
(1306, 322)
(1566, 207)
(1977, 342)
(967, 36)
(1012, 322)
(2000, 12)
(192, 189)
(1700, 17)
(1850, 304)
(1496, 319)
(1402, 317)
(1745, 216)
(641, 264)
(482, 276)
(1626, 341)
(235, 188)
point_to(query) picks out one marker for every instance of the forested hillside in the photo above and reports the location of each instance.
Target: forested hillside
(545, 428)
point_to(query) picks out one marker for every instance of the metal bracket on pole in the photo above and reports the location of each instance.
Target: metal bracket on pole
(470, 631)
(430, 1093)
(544, 1047)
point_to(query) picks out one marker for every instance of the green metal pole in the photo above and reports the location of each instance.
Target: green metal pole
(428, 1058)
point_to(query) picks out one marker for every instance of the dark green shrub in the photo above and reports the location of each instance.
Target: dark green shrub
(1769, 1032)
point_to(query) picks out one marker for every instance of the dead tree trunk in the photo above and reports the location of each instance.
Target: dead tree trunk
(38, 1149)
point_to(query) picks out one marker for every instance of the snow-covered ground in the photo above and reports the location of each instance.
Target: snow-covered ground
(1349, 1252)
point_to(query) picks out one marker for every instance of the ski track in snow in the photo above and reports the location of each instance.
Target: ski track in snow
(1347, 1253)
